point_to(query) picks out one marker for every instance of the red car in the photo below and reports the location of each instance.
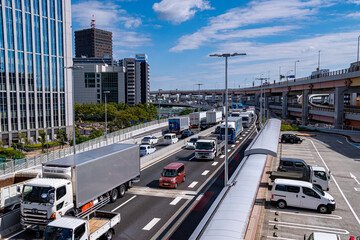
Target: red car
(172, 175)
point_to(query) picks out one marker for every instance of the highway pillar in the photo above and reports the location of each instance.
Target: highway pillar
(284, 104)
(191, 97)
(257, 99)
(204, 97)
(305, 107)
(339, 107)
(223, 98)
(233, 97)
(213, 97)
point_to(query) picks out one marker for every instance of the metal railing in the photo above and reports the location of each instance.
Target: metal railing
(114, 137)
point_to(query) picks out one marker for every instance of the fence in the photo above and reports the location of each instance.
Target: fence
(114, 137)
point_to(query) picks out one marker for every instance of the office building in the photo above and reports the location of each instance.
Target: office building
(93, 43)
(35, 78)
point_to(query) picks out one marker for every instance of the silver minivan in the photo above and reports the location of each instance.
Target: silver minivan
(294, 193)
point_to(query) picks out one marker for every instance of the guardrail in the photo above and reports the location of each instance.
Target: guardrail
(114, 137)
(9, 222)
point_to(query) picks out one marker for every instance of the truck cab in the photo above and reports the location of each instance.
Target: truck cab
(43, 200)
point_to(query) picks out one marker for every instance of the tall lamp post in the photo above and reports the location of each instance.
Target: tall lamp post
(357, 59)
(199, 84)
(226, 56)
(73, 102)
(261, 98)
(105, 94)
(159, 105)
(295, 68)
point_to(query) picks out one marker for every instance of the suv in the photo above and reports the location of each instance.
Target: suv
(152, 140)
(172, 175)
(290, 138)
(146, 149)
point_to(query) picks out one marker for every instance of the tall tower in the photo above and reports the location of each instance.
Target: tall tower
(35, 83)
(93, 42)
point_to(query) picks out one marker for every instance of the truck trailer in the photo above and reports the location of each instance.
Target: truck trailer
(197, 118)
(179, 124)
(213, 117)
(235, 127)
(78, 184)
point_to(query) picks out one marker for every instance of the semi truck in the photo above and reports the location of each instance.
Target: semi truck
(197, 118)
(9, 195)
(246, 119)
(179, 124)
(213, 117)
(77, 184)
(97, 225)
(208, 148)
(315, 175)
(235, 128)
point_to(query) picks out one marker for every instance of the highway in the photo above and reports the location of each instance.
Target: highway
(148, 212)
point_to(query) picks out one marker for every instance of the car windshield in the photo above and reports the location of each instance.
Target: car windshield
(142, 148)
(57, 233)
(146, 138)
(167, 137)
(186, 132)
(193, 140)
(318, 190)
(37, 194)
(169, 173)
(203, 146)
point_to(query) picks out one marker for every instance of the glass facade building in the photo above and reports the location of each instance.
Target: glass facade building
(35, 79)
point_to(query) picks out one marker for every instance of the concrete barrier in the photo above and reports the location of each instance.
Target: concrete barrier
(9, 223)
(166, 151)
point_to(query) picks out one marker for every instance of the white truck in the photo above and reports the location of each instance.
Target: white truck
(9, 195)
(78, 184)
(246, 119)
(208, 148)
(197, 118)
(98, 224)
(213, 117)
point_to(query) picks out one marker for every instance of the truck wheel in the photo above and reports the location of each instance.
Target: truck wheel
(114, 195)
(281, 204)
(323, 209)
(129, 185)
(122, 190)
(109, 234)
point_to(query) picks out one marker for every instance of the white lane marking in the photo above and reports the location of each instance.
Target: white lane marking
(241, 138)
(271, 237)
(243, 135)
(192, 185)
(310, 227)
(222, 156)
(229, 150)
(192, 158)
(151, 224)
(357, 189)
(205, 172)
(199, 197)
(237, 141)
(353, 176)
(233, 145)
(284, 211)
(351, 143)
(15, 234)
(339, 141)
(123, 204)
(214, 164)
(337, 185)
(176, 200)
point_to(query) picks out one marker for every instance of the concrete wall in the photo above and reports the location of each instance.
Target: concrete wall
(9, 223)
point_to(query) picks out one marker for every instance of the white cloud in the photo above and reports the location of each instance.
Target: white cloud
(354, 14)
(178, 11)
(256, 12)
(357, 2)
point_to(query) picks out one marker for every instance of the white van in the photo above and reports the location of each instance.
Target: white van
(322, 236)
(293, 193)
(170, 138)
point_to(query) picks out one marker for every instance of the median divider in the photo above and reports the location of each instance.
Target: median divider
(161, 154)
(9, 223)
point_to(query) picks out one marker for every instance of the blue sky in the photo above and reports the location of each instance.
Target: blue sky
(178, 36)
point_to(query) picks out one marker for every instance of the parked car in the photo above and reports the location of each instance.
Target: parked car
(152, 140)
(217, 130)
(186, 134)
(322, 236)
(170, 138)
(191, 143)
(290, 138)
(294, 193)
(172, 175)
(146, 149)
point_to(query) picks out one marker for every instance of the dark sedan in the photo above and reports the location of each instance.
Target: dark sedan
(186, 134)
(290, 138)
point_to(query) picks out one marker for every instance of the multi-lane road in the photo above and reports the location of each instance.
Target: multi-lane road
(149, 212)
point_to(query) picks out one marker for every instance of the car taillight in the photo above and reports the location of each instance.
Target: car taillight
(272, 196)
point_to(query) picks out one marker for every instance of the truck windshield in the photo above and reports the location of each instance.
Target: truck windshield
(230, 131)
(203, 146)
(318, 190)
(167, 137)
(37, 194)
(57, 233)
(245, 119)
(169, 173)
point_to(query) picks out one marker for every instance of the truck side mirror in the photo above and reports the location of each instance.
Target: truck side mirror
(18, 189)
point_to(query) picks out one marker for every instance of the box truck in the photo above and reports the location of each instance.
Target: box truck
(179, 124)
(235, 128)
(78, 184)
(208, 148)
(197, 118)
(213, 117)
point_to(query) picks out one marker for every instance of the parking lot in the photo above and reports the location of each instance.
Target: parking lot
(334, 153)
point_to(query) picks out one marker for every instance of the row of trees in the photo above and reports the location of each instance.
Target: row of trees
(120, 114)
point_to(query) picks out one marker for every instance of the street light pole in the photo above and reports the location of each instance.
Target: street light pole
(105, 93)
(226, 55)
(295, 68)
(159, 105)
(319, 62)
(261, 98)
(357, 59)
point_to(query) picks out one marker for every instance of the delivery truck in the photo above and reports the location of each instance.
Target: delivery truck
(208, 148)
(9, 195)
(78, 184)
(179, 124)
(235, 128)
(213, 117)
(197, 118)
(98, 225)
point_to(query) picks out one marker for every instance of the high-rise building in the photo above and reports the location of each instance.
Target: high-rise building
(35, 74)
(93, 43)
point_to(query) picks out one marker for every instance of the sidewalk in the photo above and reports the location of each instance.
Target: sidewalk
(353, 137)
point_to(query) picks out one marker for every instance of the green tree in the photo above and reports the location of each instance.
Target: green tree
(61, 137)
(95, 134)
(42, 139)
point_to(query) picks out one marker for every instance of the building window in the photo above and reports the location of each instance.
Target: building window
(37, 34)
(21, 71)
(46, 73)
(30, 72)
(53, 37)
(3, 112)
(52, 8)
(55, 110)
(62, 108)
(45, 36)
(19, 32)
(12, 74)
(2, 71)
(9, 27)
(18, 4)
(27, 5)
(44, 8)
(32, 110)
(36, 7)
(1, 30)
(59, 10)
(40, 110)
(8, 3)
(61, 74)
(48, 109)
(13, 109)
(60, 39)
(38, 73)
(23, 119)
(54, 74)
(89, 80)
(28, 32)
